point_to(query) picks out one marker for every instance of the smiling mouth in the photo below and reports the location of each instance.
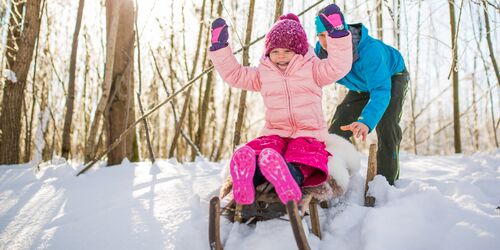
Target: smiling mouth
(282, 64)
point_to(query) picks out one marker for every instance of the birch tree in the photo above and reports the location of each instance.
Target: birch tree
(454, 70)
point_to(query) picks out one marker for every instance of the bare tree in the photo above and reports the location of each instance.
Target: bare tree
(19, 53)
(380, 24)
(413, 87)
(223, 133)
(454, 69)
(112, 18)
(478, 44)
(66, 144)
(29, 123)
(488, 39)
(207, 96)
(121, 103)
(246, 62)
(187, 98)
(279, 9)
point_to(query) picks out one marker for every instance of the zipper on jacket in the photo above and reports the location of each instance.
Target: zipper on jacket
(283, 75)
(292, 119)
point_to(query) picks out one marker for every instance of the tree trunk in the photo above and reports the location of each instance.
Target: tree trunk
(380, 25)
(121, 111)
(112, 20)
(29, 124)
(396, 15)
(68, 118)
(226, 113)
(454, 64)
(187, 98)
(413, 89)
(488, 39)
(19, 55)
(207, 96)
(478, 44)
(279, 9)
(139, 101)
(246, 62)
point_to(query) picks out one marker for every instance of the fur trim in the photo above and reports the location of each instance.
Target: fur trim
(344, 161)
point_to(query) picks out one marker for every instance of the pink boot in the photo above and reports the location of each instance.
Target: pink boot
(242, 169)
(274, 168)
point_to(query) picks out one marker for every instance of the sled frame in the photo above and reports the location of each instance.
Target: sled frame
(295, 211)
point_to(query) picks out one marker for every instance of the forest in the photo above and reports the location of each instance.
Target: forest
(115, 79)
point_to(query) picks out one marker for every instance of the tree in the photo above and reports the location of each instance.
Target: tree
(488, 39)
(187, 98)
(246, 62)
(112, 18)
(378, 10)
(68, 118)
(19, 53)
(454, 69)
(121, 103)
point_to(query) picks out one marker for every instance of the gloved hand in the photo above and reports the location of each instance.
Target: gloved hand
(332, 18)
(219, 34)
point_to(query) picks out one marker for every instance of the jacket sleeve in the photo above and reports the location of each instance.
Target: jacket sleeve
(337, 64)
(233, 72)
(378, 78)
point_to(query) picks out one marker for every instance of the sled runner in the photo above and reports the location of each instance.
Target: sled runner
(267, 206)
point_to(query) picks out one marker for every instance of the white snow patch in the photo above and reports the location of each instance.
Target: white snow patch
(10, 75)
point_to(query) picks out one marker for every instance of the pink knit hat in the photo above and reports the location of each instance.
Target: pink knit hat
(287, 33)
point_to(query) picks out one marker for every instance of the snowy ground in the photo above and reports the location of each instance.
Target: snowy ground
(439, 203)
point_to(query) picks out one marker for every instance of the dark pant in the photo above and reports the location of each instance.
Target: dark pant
(388, 131)
(258, 177)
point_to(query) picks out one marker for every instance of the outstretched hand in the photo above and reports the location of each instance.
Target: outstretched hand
(220, 34)
(358, 129)
(333, 20)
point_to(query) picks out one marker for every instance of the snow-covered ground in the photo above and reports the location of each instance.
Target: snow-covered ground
(439, 203)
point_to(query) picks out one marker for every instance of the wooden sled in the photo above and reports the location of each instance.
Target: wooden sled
(268, 206)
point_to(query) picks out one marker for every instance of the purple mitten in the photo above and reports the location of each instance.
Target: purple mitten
(332, 18)
(219, 34)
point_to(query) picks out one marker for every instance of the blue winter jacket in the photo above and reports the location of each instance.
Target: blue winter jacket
(373, 66)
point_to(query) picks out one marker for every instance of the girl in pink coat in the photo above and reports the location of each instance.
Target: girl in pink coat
(291, 151)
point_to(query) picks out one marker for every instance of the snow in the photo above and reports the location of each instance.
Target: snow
(439, 203)
(10, 75)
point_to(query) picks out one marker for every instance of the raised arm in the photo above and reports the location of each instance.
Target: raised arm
(225, 62)
(339, 46)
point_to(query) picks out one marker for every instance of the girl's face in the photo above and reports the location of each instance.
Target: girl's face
(281, 57)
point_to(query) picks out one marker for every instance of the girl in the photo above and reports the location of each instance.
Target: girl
(291, 151)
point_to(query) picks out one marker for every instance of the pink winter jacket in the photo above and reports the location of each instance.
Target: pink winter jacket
(293, 98)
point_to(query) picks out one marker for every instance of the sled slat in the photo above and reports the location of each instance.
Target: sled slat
(316, 227)
(238, 213)
(298, 229)
(214, 224)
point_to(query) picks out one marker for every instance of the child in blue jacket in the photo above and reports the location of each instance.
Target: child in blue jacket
(377, 85)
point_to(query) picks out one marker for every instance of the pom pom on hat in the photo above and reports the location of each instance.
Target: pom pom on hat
(287, 33)
(290, 16)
